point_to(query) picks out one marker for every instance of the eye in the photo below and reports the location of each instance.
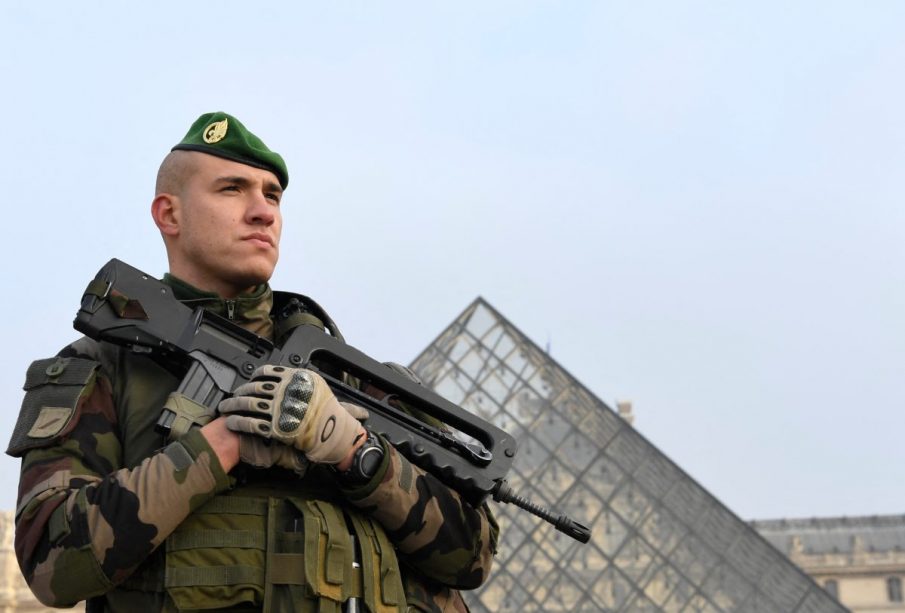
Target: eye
(273, 197)
(230, 188)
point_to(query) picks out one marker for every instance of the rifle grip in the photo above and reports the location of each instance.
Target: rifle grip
(180, 414)
(194, 403)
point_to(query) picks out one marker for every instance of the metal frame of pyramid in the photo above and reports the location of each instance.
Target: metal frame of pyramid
(660, 541)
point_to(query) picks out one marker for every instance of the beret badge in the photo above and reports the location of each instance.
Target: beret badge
(215, 132)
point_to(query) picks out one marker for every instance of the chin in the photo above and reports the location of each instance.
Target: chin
(248, 279)
(258, 279)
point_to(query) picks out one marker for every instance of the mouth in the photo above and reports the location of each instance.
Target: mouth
(259, 238)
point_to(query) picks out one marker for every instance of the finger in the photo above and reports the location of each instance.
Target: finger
(248, 425)
(248, 405)
(359, 413)
(271, 372)
(253, 450)
(259, 389)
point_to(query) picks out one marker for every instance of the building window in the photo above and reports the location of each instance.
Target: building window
(894, 589)
(832, 588)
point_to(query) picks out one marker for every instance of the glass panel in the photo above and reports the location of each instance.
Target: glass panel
(657, 475)
(611, 532)
(578, 452)
(699, 604)
(642, 605)
(603, 477)
(750, 556)
(631, 503)
(662, 530)
(636, 560)
(726, 589)
(662, 583)
(551, 429)
(554, 480)
(679, 597)
(692, 558)
(612, 590)
(784, 588)
(628, 449)
(718, 527)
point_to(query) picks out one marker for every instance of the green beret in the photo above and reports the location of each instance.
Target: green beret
(224, 136)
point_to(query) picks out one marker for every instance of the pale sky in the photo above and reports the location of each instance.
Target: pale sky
(698, 204)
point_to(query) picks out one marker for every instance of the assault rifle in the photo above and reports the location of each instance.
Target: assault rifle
(127, 307)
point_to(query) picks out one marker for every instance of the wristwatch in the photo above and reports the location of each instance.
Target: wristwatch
(365, 462)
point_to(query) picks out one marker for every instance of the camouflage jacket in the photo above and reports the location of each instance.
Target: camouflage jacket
(99, 493)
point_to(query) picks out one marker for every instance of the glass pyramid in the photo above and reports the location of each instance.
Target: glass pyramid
(660, 542)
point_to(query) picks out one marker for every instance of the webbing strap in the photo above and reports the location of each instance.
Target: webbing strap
(390, 580)
(199, 539)
(284, 326)
(98, 288)
(287, 568)
(214, 575)
(381, 585)
(338, 552)
(239, 505)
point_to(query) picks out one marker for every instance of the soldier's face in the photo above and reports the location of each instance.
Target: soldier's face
(229, 226)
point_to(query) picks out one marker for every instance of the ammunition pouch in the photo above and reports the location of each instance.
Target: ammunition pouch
(286, 553)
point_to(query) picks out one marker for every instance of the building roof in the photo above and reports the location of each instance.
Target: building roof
(876, 533)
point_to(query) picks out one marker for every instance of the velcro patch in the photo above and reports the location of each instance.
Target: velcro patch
(179, 455)
(50, 421)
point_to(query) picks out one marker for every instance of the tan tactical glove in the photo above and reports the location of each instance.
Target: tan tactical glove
(259, 453)
(296, 407)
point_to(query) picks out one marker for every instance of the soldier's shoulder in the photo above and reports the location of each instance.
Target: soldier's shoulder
(107, 354)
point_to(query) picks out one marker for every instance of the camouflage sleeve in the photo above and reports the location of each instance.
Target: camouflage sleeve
(441, 535)
(83, 522)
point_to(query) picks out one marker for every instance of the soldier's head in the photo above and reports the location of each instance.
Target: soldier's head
(217, 205)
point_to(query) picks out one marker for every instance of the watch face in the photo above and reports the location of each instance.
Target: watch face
(370, 460)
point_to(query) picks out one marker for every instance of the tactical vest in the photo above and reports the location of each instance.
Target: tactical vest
(274, 542)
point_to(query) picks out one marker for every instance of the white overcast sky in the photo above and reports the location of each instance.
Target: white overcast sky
(698, 204)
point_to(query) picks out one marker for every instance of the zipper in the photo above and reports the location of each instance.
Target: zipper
(230, 309)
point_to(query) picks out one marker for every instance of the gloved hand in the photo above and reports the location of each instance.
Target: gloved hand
(296, 407)
(257, 452)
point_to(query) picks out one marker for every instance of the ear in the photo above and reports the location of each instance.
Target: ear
(165, 209)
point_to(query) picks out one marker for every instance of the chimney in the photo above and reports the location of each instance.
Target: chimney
(625, 411)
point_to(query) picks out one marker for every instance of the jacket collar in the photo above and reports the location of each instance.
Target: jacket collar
(251, 310)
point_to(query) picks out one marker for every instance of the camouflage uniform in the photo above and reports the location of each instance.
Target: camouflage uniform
(106, 514)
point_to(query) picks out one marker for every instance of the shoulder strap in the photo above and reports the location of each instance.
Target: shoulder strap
(293, 310)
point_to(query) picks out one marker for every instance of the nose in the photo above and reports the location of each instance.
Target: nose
(261, 211)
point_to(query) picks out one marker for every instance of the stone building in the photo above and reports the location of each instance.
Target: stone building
(859, 560)
(15, 597)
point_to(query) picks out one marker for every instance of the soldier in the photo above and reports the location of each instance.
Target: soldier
(278, 503)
